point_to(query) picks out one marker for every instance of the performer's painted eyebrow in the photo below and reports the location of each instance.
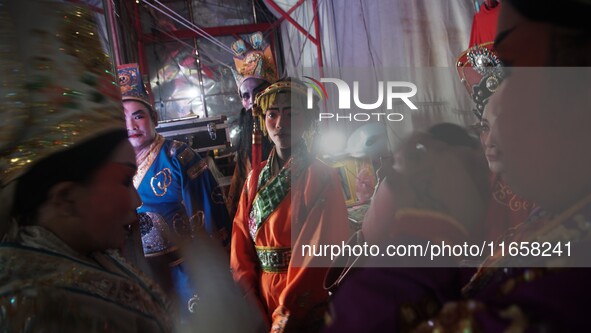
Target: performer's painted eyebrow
(138, 112)
(276, 108)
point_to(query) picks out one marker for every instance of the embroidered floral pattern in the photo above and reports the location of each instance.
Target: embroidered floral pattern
(505, 196)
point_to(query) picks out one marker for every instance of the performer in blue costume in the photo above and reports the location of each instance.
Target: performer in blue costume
(179, 194)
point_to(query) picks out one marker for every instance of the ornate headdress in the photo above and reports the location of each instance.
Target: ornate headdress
(262, 103)
(131, 84)
(256, 63)
(58, 87)
(284, 85)
(481, 72)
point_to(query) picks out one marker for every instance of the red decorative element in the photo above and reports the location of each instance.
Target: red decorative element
(257, 148)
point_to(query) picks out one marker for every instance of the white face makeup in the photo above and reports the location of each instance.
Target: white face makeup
(249, 89)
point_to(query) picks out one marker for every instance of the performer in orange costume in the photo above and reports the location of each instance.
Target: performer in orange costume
(289, 200)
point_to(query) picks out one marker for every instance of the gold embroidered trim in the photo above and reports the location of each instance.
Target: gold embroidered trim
(197, 169)
(173, 147)
(163, 179)
(145, 159)
(43, 269)
(197, 221)
(505, 196)
(543, 234)
(273, 259)
(186, 156)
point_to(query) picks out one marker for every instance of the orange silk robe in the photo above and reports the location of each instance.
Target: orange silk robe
(292, 298)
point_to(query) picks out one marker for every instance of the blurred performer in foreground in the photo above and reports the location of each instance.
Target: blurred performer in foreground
(542, 116)
(68, 200)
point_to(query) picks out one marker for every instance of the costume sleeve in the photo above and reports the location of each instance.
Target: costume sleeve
(398, 299)
(201, 195)
(378, 298)
(391, 299)
(532, 300)
(319, 217)
(57, 309)
(242, 253)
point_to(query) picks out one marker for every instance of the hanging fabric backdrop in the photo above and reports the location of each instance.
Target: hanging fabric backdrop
(378, 34)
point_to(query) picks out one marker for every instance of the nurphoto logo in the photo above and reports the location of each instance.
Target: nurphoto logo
(392, 90)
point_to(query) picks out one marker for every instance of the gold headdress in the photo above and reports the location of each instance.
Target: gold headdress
(266, 98)
(58, 87)
(257, 63)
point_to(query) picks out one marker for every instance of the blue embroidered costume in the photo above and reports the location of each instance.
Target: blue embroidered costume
(179, 195)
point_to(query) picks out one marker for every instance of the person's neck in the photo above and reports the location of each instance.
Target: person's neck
(140, 151)
(283, 154)
(143, 150)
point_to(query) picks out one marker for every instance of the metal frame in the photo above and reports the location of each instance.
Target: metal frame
(313, 39)
(233, 30)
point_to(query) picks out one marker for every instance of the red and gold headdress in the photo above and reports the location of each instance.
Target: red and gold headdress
(257, 63)
(481, 72)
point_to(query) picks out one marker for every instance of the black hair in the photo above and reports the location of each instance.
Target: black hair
(77, 164)
(570, 48)
(571, 36)
(453, 135)
(565, 13)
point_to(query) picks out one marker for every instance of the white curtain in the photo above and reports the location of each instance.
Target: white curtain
(378, 34)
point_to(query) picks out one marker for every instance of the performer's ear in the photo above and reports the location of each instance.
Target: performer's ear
(61, 198)
(154, 116)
